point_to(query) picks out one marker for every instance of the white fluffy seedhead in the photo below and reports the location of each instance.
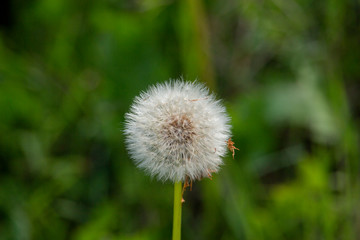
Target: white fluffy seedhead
(177, 130)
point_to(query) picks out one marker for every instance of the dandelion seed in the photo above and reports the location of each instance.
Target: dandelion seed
(172, 130)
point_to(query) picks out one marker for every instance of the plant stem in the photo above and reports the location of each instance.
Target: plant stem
(177, 211)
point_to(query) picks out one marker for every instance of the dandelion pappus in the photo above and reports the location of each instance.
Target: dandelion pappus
(194, 100)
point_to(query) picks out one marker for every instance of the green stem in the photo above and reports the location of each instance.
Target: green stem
(177, 211)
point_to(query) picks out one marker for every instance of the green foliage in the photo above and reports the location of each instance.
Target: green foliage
(287, 71)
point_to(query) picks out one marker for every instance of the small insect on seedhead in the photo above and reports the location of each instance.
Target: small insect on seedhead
(231, 147)
(187, 183)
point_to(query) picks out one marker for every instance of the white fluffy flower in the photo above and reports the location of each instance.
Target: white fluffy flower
(177, 130)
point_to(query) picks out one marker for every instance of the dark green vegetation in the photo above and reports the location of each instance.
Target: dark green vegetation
(288, 71)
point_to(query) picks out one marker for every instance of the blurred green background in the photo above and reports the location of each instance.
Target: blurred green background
(288, 71)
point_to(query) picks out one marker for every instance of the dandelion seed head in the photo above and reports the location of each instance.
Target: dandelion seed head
(176, 130)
